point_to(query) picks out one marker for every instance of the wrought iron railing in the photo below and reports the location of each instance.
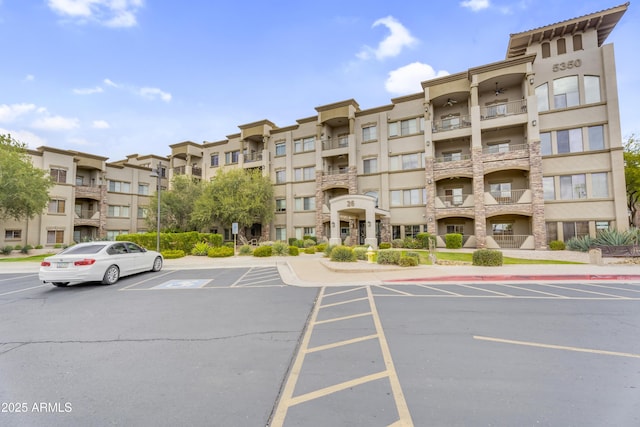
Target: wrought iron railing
(503, 109)
(507, 197)
(450, 123)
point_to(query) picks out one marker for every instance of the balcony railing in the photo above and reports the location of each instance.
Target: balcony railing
(329, 144)
(507, 197)
(503, 109)
(87, 214)
(510, 241)
(337, 171)
(454, 157)
(252, 157)
(455, 201)
(196, 171)
(504, 148)
(179, 170)
(450, 123)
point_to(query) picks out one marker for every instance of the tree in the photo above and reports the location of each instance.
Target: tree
(237, 195)
(632, 175)
(176, 205)
(24, 188)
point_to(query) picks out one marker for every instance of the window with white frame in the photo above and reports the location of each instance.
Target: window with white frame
(143, 189)
(602, 225)
(599, 185)
(305, 203)
(112, 234)
(370, 165)
(281, 205)
(573, 187)
(548, 188)
(309, 231)
(499, 147)
(575, 229)
(591, 89)
(12, 234)
(304, 144)
(409, 197)
(231, 157)
(406, 127)
(281, 176)
(281, 234)
(57, 206)
(596, 137)
(118, 211)
(119, 187)
(281, 149)
(304, 174)
(565, 92)
(405, 162)
(545, 144)
(500, 190)
(569, 141)
(58, 175)
(452, 156)
(369, 133)
(542, 96)
(411, 230)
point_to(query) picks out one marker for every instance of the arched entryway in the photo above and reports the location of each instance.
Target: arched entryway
(359, 210)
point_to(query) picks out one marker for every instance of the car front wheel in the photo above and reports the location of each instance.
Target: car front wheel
(157, 264)
(111, 276)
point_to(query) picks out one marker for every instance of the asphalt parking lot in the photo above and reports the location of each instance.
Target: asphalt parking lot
(236, 346)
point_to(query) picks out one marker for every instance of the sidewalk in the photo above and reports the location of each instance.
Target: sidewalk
(316, 270)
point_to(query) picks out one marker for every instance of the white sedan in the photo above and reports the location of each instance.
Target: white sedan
(101, 261)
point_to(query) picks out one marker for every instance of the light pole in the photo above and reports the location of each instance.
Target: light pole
(157, 173)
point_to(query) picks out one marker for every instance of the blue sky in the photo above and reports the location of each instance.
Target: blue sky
(117, 77)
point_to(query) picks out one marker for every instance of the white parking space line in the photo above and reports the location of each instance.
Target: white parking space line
(583, 291)
(21, 276)
(22, 290)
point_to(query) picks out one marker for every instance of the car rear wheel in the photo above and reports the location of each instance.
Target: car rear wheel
(111, 276)
(60, 284)
(157, 264)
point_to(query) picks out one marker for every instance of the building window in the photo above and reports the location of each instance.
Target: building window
(143, 189)
(565, 92)
(112, 234)
(572, 187)
(561, 45)
(599, 185)
(143, 213)
(304, 144)
(58, 175)
(281, 149)
(370, 165)
(309, 231)
(591, 89)
(12, 234)
(80, 180)
(231, 157)
(452, 156)
(501, 147)
(281, 234)
(455, 228)
(411, 197)
(118, 211)
(569, 141)
(119, 187)
(304, 174)
(542, 96)
(602, 225)
(577, 42)
(596, 137)
(281, 205)
(55, 236)
(406, 127)
(305, 203)
(546, 50)
(545, 144)
(57, 206)
(281, 176)
(369, 133)
(549, 189)
(502, 229)
(395, 231)
(411, 230)
(405, 162)
(552, 231)
(575, 229)
(215, 160)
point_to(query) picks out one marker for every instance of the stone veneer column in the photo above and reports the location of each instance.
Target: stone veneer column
(430, 209)
(319, 203)
(102, 206)
(478, 197)
(537, 196)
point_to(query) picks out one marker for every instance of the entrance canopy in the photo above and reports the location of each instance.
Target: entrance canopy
(359, 206)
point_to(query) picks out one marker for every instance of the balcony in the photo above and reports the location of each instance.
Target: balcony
(252, 157)
(179, 170)
(451, 123)
(86, 217)
(332, 143)
(454, 201)
(196, 171)
(503, 109)
(89, 192)
(508, 197)
(510, 241)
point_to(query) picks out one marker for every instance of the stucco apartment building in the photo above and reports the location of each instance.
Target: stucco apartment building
(511, 154)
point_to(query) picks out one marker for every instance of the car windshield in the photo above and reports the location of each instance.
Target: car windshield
(88, 249)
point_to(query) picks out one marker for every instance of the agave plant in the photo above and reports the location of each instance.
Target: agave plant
(581, 244)
(614, 237)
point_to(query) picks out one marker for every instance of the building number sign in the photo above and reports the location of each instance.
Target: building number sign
(575, 63)
(350, 203)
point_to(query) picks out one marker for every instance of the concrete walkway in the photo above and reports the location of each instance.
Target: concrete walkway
(316, 270)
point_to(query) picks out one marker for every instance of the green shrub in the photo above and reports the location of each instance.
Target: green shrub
(25, 249)
(200, 249)
(557, 245)
(280, 249)
(411, 243)
(487, 257)
(320, 247)
(581, 244)
(220, 252)
(308, 237)
(292, 241)
(408, 261)
(343, 254)
(385, 245)
(263, 251)
(307, 243)
(388, 256)
(228, 245)
(397, 243)
(245, 250)
(38, 246)
(327, 250)
(172, 253)
(311, 250)
(57, 246)
(7, 250)
(17, 247)
(361, 252)
(415, 255)
(424, 238)
(453, 240)
(614, 238)
(294, 250)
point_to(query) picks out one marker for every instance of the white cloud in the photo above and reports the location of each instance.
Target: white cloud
(475, 5)
(29, 78)
(111, 13)
(9, 113)
(393, 44)
(31, 139)
(56, 123)
(153, 93)
(111, 83)
(100, 124)
(407, 79)
(88, 91)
